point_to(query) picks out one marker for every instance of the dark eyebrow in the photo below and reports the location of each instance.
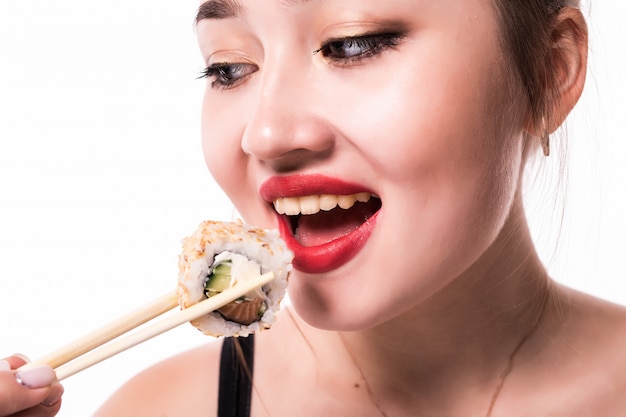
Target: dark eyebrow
(218, 9)
(226, 9)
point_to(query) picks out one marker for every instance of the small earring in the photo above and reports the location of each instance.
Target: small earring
(545, 138)
(545, 144)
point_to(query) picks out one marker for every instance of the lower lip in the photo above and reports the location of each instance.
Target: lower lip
(331, 255)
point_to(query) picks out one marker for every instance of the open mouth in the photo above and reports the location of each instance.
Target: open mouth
(325, 221)
(319, 219)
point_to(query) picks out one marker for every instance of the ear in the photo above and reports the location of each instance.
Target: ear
(567, 64)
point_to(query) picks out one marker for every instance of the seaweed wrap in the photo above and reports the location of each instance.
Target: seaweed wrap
(220, 254)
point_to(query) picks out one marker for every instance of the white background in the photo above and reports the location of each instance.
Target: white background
(101, 174)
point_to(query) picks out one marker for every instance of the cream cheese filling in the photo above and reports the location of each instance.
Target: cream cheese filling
(242, 270)
(312, 204)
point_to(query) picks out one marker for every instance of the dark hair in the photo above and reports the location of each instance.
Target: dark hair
(527, 33)
(526, 28)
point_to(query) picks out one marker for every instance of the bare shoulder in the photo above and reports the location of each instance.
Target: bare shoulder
(598, 327)
(591, 355)
(604, 338)
(183, 385)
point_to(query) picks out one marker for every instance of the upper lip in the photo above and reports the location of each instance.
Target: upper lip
(304, 185)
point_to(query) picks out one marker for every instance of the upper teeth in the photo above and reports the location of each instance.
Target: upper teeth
(312, 204)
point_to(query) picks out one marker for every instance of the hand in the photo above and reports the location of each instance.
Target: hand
(32, 393)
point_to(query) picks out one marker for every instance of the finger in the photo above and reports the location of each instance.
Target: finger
(54, 396)
(15, 397)
(39, 411)
(27, 389)
(49, 407)
(16, 360)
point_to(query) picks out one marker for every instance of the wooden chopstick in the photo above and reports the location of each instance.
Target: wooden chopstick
(157, 328)
(108, 332)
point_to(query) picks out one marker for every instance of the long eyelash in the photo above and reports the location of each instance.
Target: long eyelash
(204, 73)
(216, 70)
(374, 44)
(209, 71)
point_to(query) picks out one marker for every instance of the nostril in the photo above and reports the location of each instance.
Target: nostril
(297, 159)
(289, 139)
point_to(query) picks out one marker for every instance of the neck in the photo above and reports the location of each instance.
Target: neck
(455, 347)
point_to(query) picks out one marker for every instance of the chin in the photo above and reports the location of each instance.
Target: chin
(322, 303)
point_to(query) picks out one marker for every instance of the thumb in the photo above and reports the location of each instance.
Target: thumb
(23, 390)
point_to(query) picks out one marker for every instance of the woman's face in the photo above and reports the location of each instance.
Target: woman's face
(403, 101)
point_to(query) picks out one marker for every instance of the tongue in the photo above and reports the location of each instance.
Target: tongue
(325, 226)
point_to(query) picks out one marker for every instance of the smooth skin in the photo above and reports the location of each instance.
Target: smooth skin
(425, 318)
(34, 394)
(423, 321)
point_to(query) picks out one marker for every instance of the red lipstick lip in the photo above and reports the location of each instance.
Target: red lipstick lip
(302, 185)
(328, 256)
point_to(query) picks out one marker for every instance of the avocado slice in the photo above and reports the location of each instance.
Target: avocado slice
(218, 280)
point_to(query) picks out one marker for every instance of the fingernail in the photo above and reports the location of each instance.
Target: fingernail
(5, 366)
(22, 357)
(38, 377)
(54, 397)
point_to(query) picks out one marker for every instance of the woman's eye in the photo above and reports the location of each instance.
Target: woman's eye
(227, 75)
(355, 48)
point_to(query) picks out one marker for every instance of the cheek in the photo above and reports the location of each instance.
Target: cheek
(228, 164)
(223, 164)
(450, 139)
(463, 162)
(222, 153)
(449, 167)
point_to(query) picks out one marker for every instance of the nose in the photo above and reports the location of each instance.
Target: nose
(287, 128)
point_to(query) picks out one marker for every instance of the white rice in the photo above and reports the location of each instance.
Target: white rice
(211, 238)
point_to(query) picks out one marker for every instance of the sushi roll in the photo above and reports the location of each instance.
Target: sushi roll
(220, 254)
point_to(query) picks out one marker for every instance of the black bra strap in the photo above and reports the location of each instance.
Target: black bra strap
(235, 390)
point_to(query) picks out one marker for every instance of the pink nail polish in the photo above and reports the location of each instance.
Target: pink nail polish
(38, 377)
(22, 357)
(54, 397)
